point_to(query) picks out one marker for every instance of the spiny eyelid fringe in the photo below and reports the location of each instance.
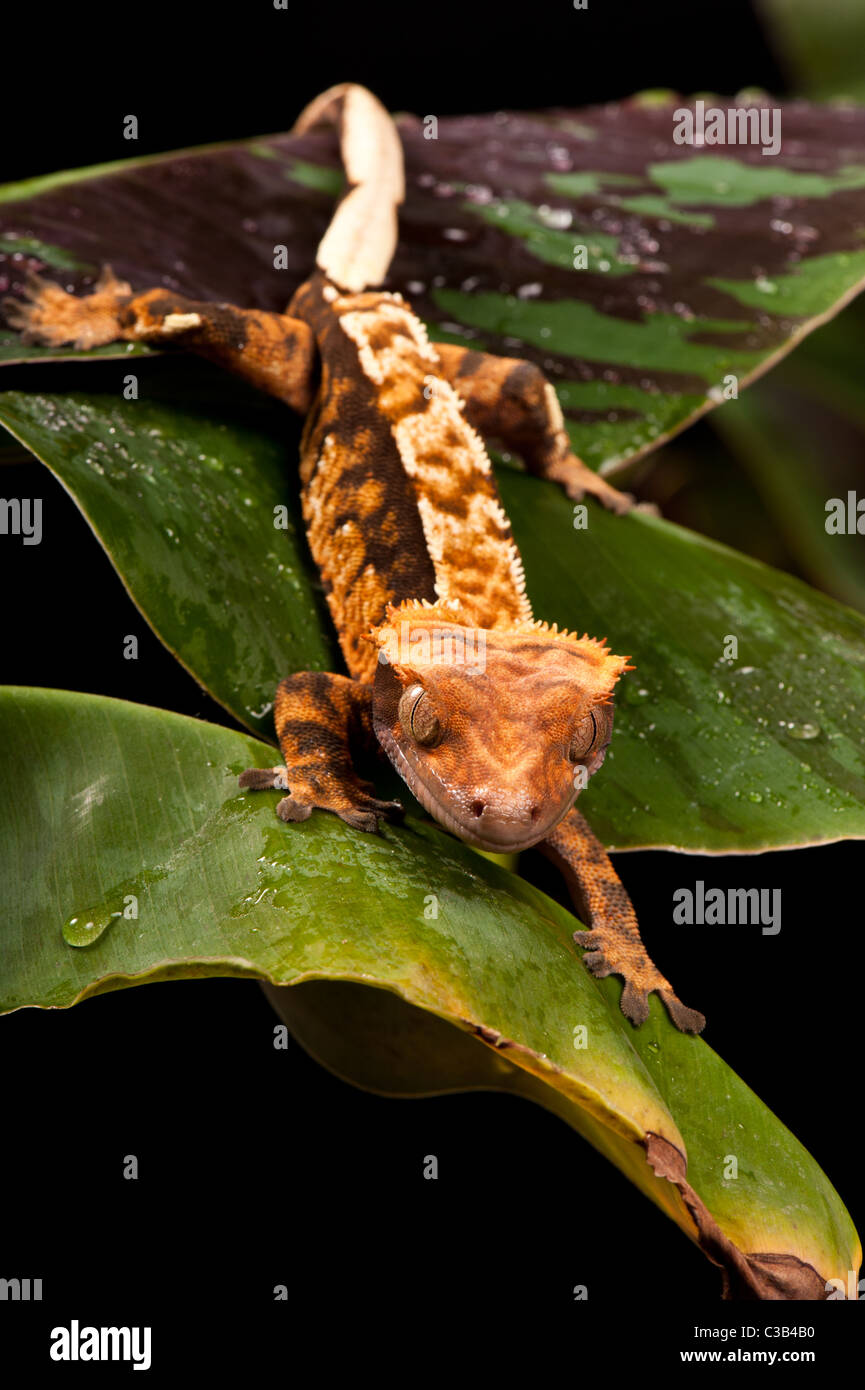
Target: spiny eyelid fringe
(423, 612)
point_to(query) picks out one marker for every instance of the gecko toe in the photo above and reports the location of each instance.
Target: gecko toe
(634, 1004)
(291, 810)
(619, 504)
(262, 778)
(686, 1020)
(589, 940)
(360, 820)
(14, 312)
(597, 963)
(368, 810)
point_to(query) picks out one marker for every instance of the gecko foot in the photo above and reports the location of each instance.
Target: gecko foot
(640, 977)
(579, 481)
(349, 798)
(50, 316)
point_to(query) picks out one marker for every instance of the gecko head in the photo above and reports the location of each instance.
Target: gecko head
(494, 731)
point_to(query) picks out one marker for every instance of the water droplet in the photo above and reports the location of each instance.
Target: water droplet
(87, 927)
(558, 218)
(804, 730)
(755, 796)
(634, 694)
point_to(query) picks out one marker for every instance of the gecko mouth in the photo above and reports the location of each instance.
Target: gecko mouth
(503, 835)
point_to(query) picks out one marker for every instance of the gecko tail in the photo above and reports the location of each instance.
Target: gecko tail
(358, 246)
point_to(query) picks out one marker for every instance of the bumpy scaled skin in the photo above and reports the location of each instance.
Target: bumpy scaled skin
(490, 728)
(614, 942)
(510, 400)
(319, 719)
(494, 720)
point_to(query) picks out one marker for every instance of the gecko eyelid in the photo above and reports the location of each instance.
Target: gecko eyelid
(418, 719)
(424, 722)
(580, 747)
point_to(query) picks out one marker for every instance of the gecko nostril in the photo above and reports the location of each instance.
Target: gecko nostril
(478, 807)
(534, 813)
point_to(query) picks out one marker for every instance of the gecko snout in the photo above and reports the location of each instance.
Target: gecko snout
(503, 823)
(481, 810)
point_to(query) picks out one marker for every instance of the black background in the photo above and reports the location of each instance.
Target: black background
(257, 1167)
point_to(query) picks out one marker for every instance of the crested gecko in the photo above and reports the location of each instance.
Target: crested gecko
(415, 551)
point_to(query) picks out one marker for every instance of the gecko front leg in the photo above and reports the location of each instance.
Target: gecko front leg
(614, 941)
(319, 718)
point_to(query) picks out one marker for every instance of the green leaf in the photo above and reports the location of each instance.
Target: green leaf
(695, 265)
(754, 752)
(184, 499)
(130, 856)
(821, 45)
(779, 433)
(709, 754)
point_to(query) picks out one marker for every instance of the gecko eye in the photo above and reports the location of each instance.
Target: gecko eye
(583, 738)
(418, 717)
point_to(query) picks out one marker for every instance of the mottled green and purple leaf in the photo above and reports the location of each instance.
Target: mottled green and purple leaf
(699, 264)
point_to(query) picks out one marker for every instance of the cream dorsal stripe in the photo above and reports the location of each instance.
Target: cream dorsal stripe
(468, 536)
(358, 246)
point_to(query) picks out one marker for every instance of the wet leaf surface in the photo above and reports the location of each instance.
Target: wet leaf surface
(130, 856)
(710, 752)
(699, 263)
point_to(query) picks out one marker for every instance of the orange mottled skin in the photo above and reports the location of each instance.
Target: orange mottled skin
(494, 721)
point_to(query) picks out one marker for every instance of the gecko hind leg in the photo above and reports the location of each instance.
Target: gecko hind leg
(509, 399)
(53, 318)
(273, 352)
(614, 944)
(320, 718)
